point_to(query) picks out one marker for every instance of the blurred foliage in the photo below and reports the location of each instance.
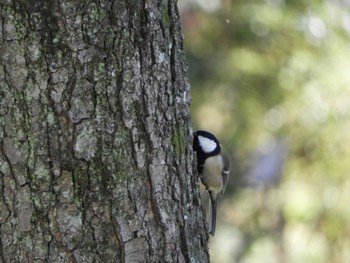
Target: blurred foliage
(271, 79)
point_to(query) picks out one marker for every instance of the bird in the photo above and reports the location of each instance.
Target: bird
(213, 165)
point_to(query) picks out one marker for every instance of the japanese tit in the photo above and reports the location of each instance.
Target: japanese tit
(213, 166)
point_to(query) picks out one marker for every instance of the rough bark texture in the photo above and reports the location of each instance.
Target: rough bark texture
(96, 157)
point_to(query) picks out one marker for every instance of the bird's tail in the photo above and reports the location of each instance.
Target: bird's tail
(212, 215)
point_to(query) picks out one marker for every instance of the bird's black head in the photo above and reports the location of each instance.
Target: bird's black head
(205, 144)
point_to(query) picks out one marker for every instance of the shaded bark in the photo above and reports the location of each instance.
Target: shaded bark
(96, 156)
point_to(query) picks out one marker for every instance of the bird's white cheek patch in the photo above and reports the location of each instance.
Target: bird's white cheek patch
(207, 144)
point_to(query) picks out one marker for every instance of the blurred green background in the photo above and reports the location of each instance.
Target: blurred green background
(272, 80)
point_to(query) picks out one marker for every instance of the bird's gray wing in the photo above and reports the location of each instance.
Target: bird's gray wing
(226, 169)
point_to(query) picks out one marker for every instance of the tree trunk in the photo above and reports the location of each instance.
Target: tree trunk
(96, 152)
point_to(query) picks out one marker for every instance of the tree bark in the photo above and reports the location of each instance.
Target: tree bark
(96, 152)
